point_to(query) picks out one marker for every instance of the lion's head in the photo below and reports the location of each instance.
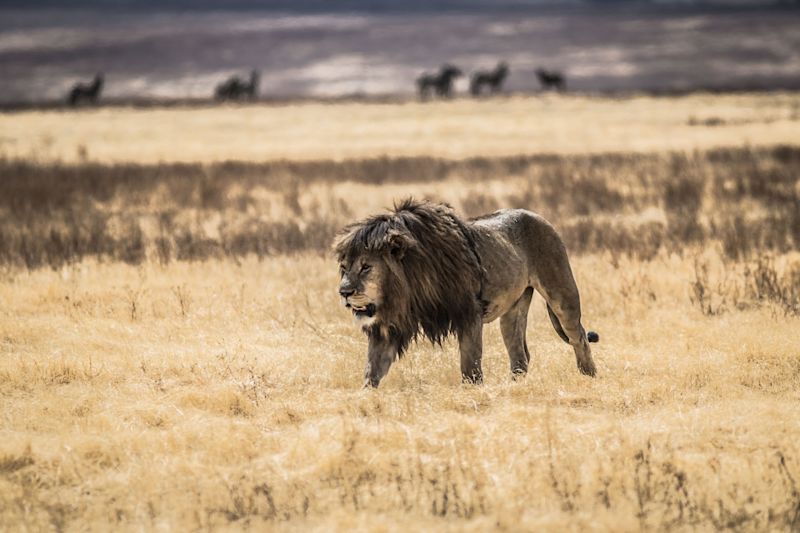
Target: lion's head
(361, 286)
(408, 271)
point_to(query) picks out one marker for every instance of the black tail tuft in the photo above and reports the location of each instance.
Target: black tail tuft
(592, 336)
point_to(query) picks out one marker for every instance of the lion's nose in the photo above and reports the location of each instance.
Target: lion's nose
(346, 293)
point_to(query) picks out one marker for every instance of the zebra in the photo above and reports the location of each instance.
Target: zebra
(493, 79)
(86, 92)
(440, 83)
(551, 79)
(235, 88)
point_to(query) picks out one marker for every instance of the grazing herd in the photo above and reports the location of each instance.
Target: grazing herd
(429, 84)
(481, 82)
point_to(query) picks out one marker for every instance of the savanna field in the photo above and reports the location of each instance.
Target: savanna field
(174, 354)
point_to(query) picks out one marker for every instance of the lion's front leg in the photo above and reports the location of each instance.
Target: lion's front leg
(470, 344)
(381, 353)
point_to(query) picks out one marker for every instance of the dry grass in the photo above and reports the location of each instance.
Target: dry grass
(747, 200)
(457, 129)
(173, 354)
(210, 394)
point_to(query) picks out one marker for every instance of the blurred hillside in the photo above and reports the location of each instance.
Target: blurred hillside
(308, 49)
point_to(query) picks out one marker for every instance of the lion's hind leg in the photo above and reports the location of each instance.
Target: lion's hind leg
(513, 325)
(564, 308)
(556, 324)
(583, 354)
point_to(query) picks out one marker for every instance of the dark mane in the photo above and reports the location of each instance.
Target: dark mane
(435, 276)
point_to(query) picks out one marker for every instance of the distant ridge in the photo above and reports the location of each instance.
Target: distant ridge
(379, 6)
(607, 47)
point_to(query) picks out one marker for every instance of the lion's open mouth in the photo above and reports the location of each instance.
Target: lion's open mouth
(365, 311)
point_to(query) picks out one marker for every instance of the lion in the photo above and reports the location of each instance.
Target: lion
(422, 270)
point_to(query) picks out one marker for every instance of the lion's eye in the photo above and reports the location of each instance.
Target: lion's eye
(366, 268)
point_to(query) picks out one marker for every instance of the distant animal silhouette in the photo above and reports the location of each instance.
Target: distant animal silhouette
(86, 92)
(551, 79)
(492, 79)
(440, 83)
(236, 88)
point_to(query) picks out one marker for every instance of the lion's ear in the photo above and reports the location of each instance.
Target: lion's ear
(341, 242)
(398, 243)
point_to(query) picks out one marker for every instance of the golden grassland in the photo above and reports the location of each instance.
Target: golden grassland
(174, 355)
(213, 394)
(570, 124)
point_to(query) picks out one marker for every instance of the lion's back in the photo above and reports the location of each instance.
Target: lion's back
(524, 229)
(516, 244)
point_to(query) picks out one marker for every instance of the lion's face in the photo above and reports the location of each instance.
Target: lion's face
(360, 286)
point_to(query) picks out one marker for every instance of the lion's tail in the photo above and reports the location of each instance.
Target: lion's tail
(591, 336)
